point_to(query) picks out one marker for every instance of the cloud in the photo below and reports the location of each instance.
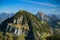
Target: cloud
(41, 3)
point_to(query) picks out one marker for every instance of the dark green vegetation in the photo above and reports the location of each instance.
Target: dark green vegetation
(26, 26)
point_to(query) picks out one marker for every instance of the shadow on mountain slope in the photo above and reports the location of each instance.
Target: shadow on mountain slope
(3, 26)
(30, 35)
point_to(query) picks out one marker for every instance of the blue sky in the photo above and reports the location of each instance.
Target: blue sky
(33, 6)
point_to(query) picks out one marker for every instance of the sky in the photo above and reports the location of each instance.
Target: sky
(32, 6)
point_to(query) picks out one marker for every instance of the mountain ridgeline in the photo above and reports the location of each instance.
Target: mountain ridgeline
(25, 26)
(4, 16)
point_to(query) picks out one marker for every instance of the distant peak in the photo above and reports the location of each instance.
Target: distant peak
(41, 13)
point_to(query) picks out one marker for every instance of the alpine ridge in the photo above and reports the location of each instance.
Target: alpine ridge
(25, 26)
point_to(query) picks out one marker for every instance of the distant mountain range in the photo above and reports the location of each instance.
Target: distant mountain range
(4, 16)
(57, 15)
(25, 26)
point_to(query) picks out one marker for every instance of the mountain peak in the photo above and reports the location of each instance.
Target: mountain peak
(22, 11)
(40, 13)
(27, 24)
